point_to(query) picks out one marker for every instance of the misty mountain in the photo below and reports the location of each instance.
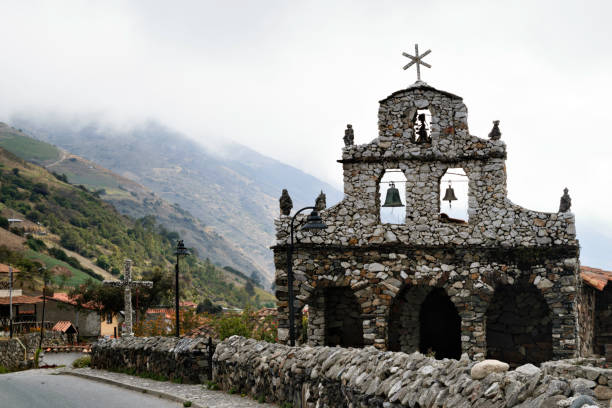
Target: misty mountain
(235, 191)
(127, 196)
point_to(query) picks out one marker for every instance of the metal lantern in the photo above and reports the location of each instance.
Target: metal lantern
(393, 197)
(314, 221)
(449, 195)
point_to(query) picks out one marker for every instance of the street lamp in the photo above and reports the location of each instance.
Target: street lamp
(180, 251)
(313, 222)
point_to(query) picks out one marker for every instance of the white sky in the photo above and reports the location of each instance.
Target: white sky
(285, 77)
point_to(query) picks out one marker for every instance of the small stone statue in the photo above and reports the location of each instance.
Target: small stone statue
(321, 203)
(285, 203)
(566, 201)
(495, 134)
(349, 135)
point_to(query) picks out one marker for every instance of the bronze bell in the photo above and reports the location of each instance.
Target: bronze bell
(449, 195)
(393, 197)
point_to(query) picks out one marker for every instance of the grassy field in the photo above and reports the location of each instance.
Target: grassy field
(78, 277)
(27, 148)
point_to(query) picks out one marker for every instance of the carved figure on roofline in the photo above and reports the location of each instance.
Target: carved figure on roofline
(566, 201)
(349, 135)
(285, 203)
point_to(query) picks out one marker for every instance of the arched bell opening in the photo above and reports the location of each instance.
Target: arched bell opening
(440, 326)
(454, 202)
(343, 322)
(519, 325)
(392, 190)
(423, 318)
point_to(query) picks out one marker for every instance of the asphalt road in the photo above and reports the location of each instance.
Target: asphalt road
(42, 389)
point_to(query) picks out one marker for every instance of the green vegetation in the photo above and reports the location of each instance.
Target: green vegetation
(37, 357)
(187, 403)
(72, 278)
(26, 147)
(245, 324)
(95, 230)
(4, 370)
(82, 362)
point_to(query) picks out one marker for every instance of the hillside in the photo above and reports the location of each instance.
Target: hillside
(75, 219)
(236, 191)
(128, 197)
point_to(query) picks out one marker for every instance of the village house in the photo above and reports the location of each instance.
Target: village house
(503, 282)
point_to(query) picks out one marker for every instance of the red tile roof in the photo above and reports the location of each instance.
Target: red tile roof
(597, 278)
(63, 326)
(20, 300)
(64, 298)
(5, 268)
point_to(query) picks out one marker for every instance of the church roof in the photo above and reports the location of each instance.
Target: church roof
(421, 85)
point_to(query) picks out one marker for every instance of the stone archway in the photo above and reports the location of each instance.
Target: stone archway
(440, 325)
(519, 325)
(423, 318)
(343, 322)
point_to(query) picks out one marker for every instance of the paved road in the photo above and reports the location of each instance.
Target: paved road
(42, 389)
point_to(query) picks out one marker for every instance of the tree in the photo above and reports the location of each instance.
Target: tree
(4, 223)
(256, 278)
(249, 288)
(206, 306)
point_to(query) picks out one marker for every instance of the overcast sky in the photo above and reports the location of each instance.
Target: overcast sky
(285, 77)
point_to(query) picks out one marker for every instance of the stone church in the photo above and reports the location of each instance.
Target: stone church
(503, 283)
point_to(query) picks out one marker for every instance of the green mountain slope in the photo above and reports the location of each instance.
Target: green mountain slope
(236, 192)
(128, 197)
(80, 221)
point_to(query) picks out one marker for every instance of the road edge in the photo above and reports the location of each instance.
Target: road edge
(131, 387)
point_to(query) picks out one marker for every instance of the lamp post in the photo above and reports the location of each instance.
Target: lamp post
(313, 222)
(42, 322)
(10, 301)
(180, 251)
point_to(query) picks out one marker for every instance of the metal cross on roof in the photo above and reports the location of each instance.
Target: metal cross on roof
(416, 59)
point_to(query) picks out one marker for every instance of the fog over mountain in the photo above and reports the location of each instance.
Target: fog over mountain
(233, 188)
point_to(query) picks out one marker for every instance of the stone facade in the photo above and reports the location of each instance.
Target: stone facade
(309, 377)
(391, 270)
(184, 359)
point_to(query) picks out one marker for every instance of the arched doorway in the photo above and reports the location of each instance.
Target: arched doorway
(423, 318)
(519, 325)
(440, 326)
(343, 323)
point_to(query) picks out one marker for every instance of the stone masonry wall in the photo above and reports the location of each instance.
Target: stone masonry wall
(185, 358)
(468, 276)
(330, 377)
(12, 353)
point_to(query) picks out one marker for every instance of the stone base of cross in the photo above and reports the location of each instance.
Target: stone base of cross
(127, 284)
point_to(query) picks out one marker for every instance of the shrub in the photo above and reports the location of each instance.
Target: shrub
(4, 222)
(82, 362)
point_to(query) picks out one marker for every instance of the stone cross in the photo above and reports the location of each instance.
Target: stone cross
(416, 59)
(127, 284)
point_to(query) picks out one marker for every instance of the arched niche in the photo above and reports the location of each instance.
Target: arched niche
(519, 325)
(423, 318)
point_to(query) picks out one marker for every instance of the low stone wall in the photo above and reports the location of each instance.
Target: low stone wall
(12, 353)
(340, 377)
(184, 359)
